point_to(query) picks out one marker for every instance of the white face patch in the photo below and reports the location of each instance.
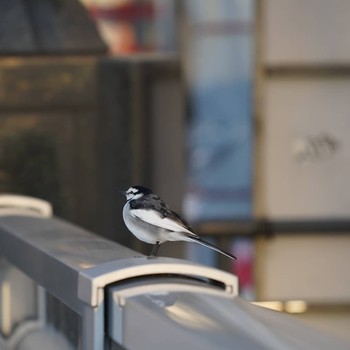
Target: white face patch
(133, 193)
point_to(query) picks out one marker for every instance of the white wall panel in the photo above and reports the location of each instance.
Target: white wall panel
(306, 31)
(311, 268)
(306, 149)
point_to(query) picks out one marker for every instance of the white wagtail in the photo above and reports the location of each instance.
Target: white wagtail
(150, 219)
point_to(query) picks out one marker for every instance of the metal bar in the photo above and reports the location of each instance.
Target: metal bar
(53, 253)
(308, 71)
(93, 326)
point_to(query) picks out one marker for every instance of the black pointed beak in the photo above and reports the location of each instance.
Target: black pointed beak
(122, 192)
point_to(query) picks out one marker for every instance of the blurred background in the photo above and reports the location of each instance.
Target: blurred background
(236, 112)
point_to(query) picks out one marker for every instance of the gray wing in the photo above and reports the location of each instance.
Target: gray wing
(154, 202)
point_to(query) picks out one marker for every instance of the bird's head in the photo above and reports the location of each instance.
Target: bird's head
(135, 192)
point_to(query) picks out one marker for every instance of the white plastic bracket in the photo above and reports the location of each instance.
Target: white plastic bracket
(11, 204)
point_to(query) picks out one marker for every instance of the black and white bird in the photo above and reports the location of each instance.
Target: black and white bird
(150, 219)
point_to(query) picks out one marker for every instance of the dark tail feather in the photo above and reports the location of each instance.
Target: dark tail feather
(211, 246)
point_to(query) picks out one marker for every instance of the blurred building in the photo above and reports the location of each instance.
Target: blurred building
(302, 153)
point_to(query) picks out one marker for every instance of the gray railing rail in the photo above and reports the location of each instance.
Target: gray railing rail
(62, 287)
(75, 266)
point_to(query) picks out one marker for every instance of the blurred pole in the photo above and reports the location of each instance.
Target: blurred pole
(218, 57)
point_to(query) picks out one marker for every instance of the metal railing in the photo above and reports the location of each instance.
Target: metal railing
(62, 287)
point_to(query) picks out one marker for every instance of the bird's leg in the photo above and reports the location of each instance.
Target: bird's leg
(155, 249)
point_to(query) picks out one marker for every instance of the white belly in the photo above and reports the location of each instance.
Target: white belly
(142, 231)
(147, 232)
